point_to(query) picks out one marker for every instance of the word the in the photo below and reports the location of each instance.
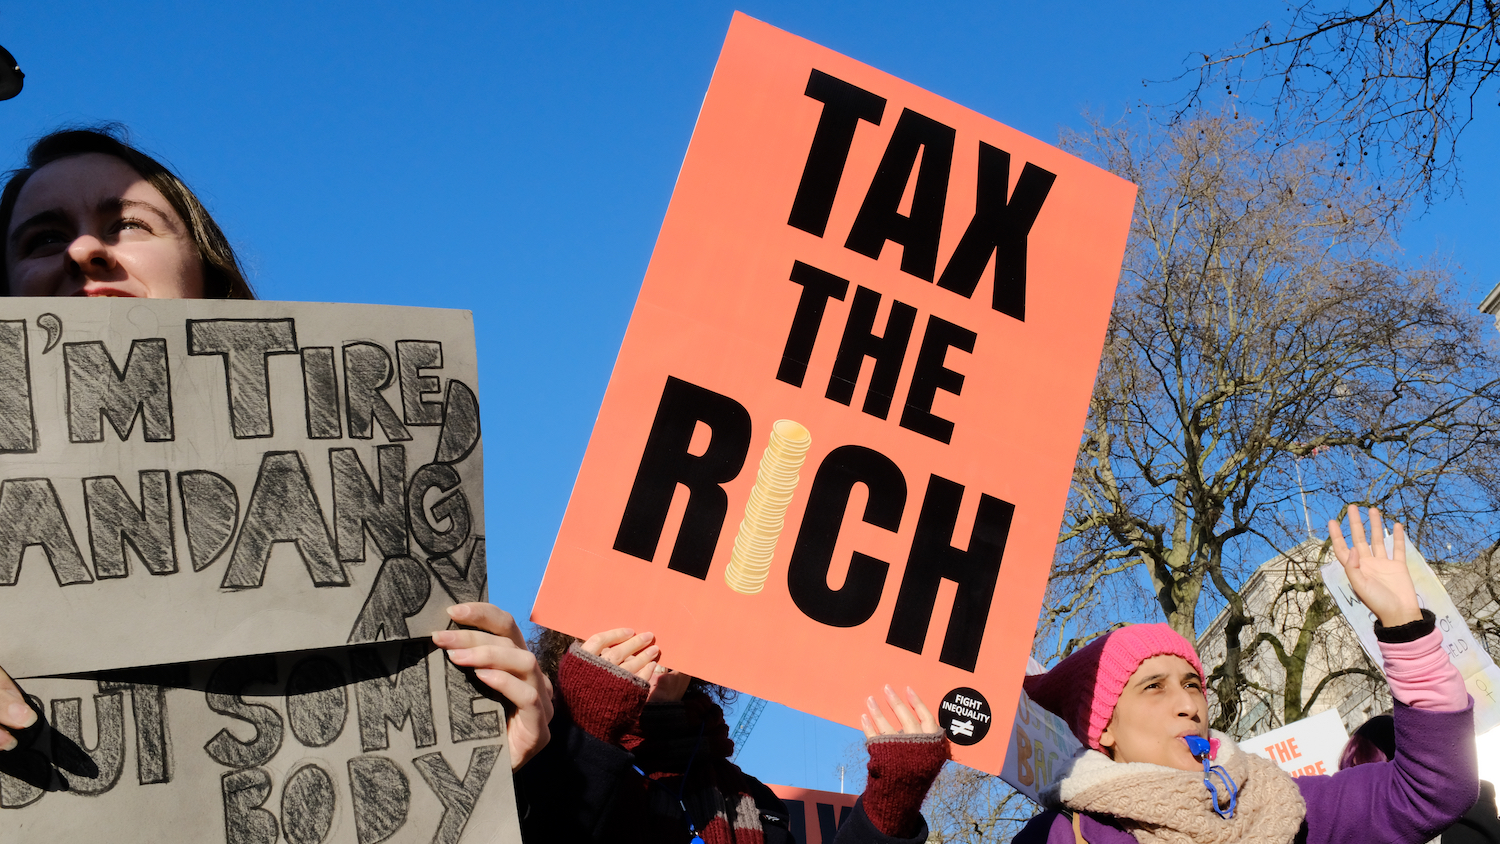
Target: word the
(887, 350)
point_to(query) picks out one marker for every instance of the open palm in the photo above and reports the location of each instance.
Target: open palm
(1379, 579)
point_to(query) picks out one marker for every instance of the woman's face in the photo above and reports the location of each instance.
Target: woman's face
(90, 225)
(1162, 702)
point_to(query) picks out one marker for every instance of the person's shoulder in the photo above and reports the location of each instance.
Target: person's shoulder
(764, 797)
(772, 809)
(1056, 827)
(1050, 825)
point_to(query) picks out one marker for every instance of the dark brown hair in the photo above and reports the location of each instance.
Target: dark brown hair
(222, 276)
(1374, 741)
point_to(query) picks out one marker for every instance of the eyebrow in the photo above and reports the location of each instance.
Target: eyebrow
(54, 216)
(1191, 675)
(108, 205)
(120, 203)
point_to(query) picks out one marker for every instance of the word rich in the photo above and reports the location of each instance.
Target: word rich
(372, 740)
(668, 461)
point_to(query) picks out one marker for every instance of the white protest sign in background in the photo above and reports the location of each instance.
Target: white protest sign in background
(1479, 671)
(1041, 745)
(185, 480)
(1310, 746)
(354, 745)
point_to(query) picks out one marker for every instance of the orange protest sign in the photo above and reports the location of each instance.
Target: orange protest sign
(814, 816)
(837, 443)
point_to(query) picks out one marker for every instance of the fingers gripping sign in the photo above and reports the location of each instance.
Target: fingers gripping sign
(494, 647)
(632, 651)
(912, 716)
(1379, 579)
(639, 654)
(15, 713)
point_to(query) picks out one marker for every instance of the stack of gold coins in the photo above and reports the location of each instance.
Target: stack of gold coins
(765, 512)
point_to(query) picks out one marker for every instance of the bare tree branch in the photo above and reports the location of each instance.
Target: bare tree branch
(1391, 83)
(1264, 318)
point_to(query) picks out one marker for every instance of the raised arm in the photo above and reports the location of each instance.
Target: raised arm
(1434, 777)
(905, 758)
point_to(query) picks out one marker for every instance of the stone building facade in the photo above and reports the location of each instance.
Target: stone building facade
(1276, 595)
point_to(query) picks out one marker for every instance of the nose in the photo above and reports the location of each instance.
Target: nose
(1187, 702)
(89, 256)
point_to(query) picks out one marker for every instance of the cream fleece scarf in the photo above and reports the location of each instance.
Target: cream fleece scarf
(1160, 805)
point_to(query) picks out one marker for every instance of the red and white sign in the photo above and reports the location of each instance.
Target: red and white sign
(1301, 748)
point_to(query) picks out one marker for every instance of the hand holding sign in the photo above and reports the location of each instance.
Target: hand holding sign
(14, 713)
(1379, 578)
(497, 653)
(626, 648)
(914, 719)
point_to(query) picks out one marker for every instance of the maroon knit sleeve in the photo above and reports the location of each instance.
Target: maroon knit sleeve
(901, 770)
(603, 698)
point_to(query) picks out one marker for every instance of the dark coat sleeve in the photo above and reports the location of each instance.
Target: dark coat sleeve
(582, 789)
(571, 789)
(1431, 783)
(859, 829)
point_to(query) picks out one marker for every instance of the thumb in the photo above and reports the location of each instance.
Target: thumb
(15, 713)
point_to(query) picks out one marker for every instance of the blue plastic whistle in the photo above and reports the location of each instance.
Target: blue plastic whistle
(1200, 748)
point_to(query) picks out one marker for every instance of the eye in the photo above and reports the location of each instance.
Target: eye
(43, 242)
(132, 223)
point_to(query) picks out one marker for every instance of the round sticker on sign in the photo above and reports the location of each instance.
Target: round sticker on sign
(965, 716)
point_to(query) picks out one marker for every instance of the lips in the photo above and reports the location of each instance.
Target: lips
(99, 292)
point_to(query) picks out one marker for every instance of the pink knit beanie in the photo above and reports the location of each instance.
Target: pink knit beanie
(1084, 688)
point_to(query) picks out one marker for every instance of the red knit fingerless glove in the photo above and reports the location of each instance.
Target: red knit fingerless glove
(603, 698)
(901, 770)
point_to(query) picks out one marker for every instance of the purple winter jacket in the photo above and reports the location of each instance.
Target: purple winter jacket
(1432, 782)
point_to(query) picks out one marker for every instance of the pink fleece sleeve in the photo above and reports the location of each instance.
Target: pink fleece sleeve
(1422, 677)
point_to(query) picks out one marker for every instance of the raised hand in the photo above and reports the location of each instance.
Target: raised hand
(497, 652)
(1379, 579)
(14, 713)
(913, 719)
(632, 651)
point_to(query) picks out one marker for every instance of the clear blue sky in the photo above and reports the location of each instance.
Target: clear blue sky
(516, 160)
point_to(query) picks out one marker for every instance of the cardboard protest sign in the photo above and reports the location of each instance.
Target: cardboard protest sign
(1308, 747)
(356, 745)
(814, 816)
(1481, 676)
(185, 480)
(838, 439)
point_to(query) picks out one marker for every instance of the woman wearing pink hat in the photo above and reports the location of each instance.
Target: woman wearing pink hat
(1153, 772)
